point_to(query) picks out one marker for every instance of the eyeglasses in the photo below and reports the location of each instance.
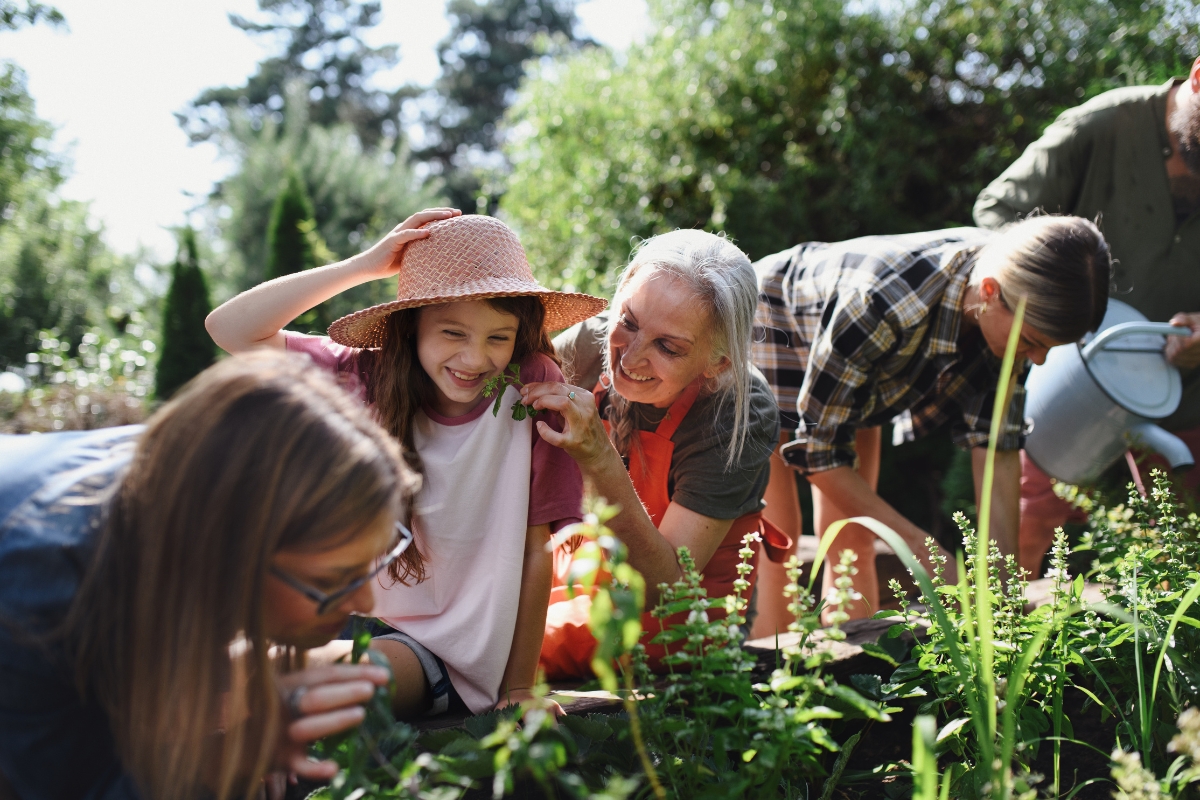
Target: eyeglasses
(327, 601)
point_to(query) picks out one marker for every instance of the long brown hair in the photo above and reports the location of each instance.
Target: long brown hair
(259, 453)
(397, 386)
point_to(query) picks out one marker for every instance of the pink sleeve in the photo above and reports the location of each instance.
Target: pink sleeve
(555, 483)
(331, 356)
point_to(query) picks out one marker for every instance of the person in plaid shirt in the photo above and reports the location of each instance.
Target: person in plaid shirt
(910, 328)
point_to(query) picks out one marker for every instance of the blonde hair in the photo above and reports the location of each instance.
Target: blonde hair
(257, 454)
(722, 278)
(1061, 265)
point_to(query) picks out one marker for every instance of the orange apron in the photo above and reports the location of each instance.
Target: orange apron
(568, 645)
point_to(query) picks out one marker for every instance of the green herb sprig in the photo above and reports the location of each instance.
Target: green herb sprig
(495, 386)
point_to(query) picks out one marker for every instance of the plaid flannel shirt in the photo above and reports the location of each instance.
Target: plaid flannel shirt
(857, 333)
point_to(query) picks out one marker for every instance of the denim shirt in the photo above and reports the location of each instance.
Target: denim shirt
(53, 742)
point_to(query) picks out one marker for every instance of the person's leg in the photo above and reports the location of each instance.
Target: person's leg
(783, 509)
(868, 443)
(413, 696)
(1041, 512)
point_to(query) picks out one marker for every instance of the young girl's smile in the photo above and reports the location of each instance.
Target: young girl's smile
(461, 345)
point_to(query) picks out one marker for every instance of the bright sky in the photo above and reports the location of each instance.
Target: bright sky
(111, 81)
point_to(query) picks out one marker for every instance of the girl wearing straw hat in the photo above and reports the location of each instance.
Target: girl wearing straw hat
(464, 628)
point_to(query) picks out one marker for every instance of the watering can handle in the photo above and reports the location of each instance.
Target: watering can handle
(1132, 329)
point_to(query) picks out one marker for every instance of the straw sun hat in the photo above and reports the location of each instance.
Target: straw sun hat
(464, 258)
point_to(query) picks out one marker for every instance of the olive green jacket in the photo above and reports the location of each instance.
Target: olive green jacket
(1104, 160)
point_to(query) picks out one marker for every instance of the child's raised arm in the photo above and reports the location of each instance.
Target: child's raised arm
(255, 318)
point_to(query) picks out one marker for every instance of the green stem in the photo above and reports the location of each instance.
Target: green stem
(983, 590)
(635, 727)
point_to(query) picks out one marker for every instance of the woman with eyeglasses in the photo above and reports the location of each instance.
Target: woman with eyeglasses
(156, 581)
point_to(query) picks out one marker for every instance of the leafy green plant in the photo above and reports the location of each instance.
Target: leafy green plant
(504, 750)
(1136, 782)
(713, 730)
(599, 565)
(983, 660)
(1139, 646)
(495, 386)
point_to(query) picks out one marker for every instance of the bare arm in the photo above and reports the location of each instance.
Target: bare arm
(1006, 495)
(536, 575)
(255, 318)
(651, 549)
(855, 497)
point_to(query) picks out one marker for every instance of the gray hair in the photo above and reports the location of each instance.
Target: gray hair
(1061, 265)
(723, 280)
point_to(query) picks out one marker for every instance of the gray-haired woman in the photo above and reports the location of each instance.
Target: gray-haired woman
(911, 327)
(668, 418)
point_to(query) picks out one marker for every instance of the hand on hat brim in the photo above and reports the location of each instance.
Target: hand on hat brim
(383, 259)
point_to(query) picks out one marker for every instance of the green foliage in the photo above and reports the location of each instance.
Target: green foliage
(56, 273)
(1140, 648)
(1136, 782)
(483, 61)
(25, 156)
(705, 731)
(802, 120)
(15, 13)
(325, 54)
(495, 386)
(357, 195)
(187, 349)
(103, 381)
(984, 659)
(713, 731)
(508, 752)
(289, 245)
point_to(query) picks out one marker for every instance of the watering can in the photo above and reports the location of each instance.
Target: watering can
(1092, 401)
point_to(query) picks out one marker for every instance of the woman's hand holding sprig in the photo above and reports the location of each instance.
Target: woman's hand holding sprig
(583, 435)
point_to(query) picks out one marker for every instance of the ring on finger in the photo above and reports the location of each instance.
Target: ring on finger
(571, 396)
(293, 700)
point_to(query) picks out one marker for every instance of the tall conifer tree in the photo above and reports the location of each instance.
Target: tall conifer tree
(187, 349)
(289, 245)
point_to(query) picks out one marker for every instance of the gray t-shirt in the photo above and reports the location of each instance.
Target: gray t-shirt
(699, 479)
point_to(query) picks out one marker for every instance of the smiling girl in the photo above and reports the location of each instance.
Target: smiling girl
(464, 626)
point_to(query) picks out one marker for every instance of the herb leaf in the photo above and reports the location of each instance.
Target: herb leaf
(511, 376)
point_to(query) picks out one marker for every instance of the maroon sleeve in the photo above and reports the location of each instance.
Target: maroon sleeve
(329, 355)
(555, 483)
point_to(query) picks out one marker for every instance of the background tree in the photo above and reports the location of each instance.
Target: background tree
(187, 349)
(357, 195)
(325, 52)
(483, 61)
(289, 241)
(795, 120)
(55, 271)
(15, 13)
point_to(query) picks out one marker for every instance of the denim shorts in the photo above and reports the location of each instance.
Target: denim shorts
(445, 697)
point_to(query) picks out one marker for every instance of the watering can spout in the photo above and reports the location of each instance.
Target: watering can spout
(1168, 445)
